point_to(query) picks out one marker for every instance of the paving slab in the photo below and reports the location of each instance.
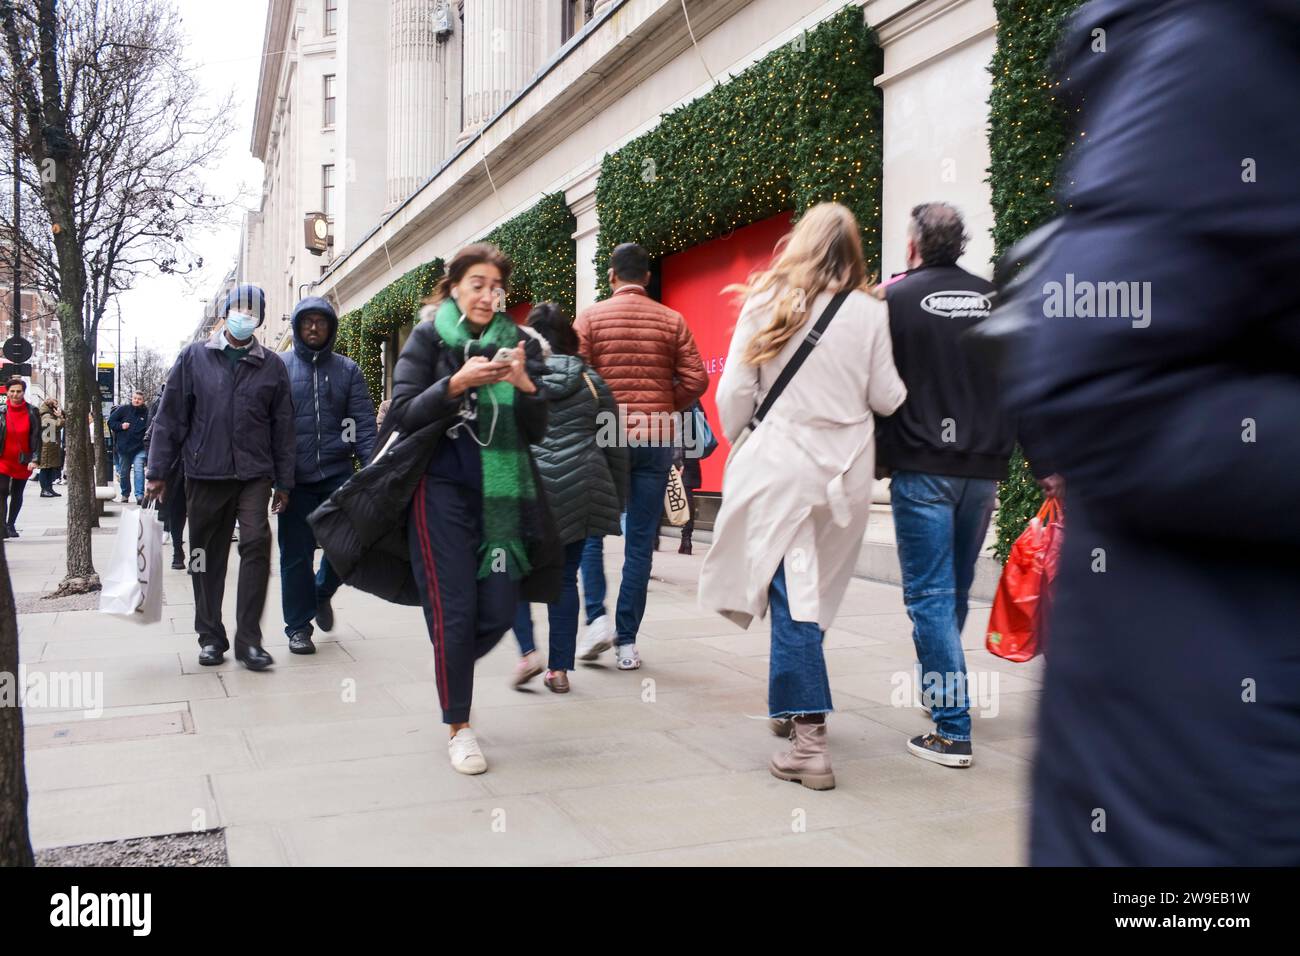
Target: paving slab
(339, 758)
(497, 831)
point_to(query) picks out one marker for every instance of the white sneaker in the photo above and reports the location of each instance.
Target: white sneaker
(628, 658)
(465, 755)
(595, 639)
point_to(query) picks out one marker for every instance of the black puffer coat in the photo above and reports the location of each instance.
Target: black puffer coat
(362, 526)
(585, 483)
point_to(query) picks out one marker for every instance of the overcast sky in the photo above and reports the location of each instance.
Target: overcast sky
(225, 48)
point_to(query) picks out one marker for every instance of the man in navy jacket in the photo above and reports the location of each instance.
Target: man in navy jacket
(226, 422)
(128, 424)
(334, 422)
(1164, 378)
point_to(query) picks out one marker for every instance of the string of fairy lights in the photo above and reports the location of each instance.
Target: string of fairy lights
(363, 331)
(543, 252)
(800, 126)
(1028, 134)
(541, 247)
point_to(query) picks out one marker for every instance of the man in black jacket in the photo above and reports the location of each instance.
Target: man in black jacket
(128, 424)
(227, 413)
(947, 446)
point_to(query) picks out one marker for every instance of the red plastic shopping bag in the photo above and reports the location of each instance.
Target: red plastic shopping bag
(1020, 607)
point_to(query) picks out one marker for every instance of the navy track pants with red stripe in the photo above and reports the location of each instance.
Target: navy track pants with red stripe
(466, 615)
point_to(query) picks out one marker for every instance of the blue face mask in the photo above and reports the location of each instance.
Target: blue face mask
(240, 325)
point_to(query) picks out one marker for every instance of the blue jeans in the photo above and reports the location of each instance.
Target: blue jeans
(645, 503)
(593, 577)
(797, 683)
(124, 465)
(302, 588)
(939, 523)
(562, 615)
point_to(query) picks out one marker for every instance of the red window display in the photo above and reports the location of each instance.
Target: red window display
(692, 282)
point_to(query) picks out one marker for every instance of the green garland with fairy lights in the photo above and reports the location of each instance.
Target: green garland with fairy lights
(1027, 137)
(543, 252)
(362, 332)
(799, 127)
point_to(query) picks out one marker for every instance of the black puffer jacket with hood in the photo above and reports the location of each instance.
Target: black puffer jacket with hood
(585, 479)
(333, 414)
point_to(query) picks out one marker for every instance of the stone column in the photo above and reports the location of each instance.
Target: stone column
(413, 96)
(503, 44)
(581, 197)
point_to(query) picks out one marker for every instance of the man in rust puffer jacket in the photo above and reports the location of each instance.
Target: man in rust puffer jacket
(647, 356)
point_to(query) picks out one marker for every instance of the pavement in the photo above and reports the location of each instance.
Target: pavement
(339, 758)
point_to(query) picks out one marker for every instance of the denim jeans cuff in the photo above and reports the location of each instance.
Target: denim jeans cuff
(788, 714)
(956, 738)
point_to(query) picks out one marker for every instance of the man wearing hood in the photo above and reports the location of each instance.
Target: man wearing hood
(334, 422)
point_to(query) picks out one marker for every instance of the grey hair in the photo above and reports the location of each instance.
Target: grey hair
(939, 233)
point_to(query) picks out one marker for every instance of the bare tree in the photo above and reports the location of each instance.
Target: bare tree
(115, 138)
(145, 371)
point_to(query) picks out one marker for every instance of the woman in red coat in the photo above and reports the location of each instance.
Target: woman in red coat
(20, 446)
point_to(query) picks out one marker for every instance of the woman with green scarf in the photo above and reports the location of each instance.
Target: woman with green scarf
(478, 531)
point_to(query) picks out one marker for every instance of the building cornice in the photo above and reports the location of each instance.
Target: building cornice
(620, 47)
(279, 14)
(970, 21)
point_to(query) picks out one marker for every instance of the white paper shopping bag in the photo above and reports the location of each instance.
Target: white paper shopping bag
(133, 582)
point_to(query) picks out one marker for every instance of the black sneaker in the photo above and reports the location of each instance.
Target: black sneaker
(13, 532)
(950, 753)
(178, 562)
(300, 642)
(325, 615)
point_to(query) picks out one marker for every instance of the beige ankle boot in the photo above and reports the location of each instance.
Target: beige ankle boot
(808, 763)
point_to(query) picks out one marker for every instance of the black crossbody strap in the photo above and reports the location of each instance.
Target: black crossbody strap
(801, 353)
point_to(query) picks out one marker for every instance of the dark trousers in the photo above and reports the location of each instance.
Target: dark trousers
(689, 528)
(173, 510)
(301, 586)
(214, 507)
(466, 615)
(46, 478)
(11, 492)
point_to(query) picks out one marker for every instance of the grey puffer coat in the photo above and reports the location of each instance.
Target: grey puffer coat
(585, 480)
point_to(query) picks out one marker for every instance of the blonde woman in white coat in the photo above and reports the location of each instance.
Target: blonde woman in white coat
(797, 493)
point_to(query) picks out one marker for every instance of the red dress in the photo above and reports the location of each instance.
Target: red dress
(18, 426)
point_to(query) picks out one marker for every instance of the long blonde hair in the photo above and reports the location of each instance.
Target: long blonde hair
(823, 251)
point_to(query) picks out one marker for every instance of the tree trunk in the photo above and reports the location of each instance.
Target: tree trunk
(102, 470)
(81, 576)
(15, 841)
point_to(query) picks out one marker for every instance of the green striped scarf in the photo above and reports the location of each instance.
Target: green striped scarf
(507, 474)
